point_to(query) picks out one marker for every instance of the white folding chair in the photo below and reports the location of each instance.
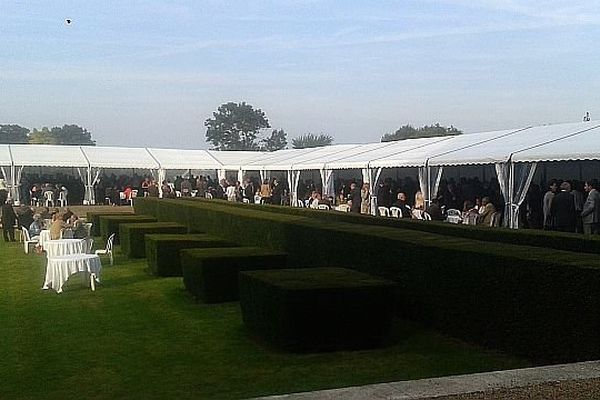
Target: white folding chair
(108, 250)
(396, 212)
(383, 211)
(88, 228)
(323, 207)
(27, 239)
(426, 216)
(301, 204)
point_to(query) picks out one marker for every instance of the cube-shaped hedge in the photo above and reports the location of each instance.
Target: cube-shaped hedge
(317, 308)
(94, 218)
(132, 236)
(109, 224)
(162, 250)
(211, 275)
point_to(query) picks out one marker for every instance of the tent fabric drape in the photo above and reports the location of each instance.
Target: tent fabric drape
(371, 176)
(264, 175)
(294, 181)
(240, 175)
(221, 175)
(429, 181)
(503, 173)
(327, 182)
(522, 176)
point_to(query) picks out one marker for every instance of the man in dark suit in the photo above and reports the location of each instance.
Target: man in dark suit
(8, 222)
(590, 214)
(355, 198)
(562, 209)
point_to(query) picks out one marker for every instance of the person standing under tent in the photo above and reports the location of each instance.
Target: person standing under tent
(547, 203)
(355, 198)
(591, 209)
(365, 199)
(8, 221)
(562, 209)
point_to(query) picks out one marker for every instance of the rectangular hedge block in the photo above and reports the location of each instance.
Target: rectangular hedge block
(133, 242)
(211, 275)
(317, 308)
(94, 218)
(162, 251)
(109, 224)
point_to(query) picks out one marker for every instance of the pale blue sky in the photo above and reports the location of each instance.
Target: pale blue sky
(148, 73)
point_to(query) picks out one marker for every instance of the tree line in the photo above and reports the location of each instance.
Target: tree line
(62, 135)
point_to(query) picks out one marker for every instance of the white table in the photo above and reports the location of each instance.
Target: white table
(44, 238)
(62, 247)
(60, 268)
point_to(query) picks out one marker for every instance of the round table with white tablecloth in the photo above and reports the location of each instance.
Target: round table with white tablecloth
(60, 268)
(61, 247)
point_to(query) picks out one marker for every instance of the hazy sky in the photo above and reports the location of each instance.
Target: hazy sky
(148, 73)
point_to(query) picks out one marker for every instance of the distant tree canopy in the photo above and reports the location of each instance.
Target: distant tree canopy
(309, 140)
(276, 141)
(409, 132)
(65, 135)
(13, 134)
(236, 126)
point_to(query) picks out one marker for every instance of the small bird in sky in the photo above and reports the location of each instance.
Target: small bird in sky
(68, 21)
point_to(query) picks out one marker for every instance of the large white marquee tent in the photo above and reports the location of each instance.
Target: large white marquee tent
(514, 154)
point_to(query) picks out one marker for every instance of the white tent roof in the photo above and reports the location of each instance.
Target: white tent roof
(583, 144)
(315, 158)
(501, 148)
(362, 157)
(185, 159)
(5, 158)
(273, 161)
(233, 160)
(120, 157)
(27, 155)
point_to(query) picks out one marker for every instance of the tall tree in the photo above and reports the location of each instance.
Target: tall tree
(277, 141)
(43, 136)
(73, 135)
(235, 126)
(309, 140)
(13, 134)
(409, 132)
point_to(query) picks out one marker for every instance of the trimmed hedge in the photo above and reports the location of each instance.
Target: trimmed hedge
(133, 243)
(525, 300)
(317, 308)
(109, 224)
(162, 250)
(539, 238)
(211, 275)
(94, 218)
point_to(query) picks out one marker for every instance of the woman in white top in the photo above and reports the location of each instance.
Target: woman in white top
(230, 192)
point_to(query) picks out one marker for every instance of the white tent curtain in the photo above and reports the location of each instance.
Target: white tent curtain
(294, 181)
(240, 175)
(522, 175)
(162, 176)
(503, 172)
(327, 182)
(221, 175)
(371, 176)
(429, 181)
(264, 175)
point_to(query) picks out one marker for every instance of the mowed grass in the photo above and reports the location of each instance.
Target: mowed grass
(141, 337)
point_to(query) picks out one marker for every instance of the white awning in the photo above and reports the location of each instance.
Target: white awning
(583, 144)
(120, 157)
(185, 159)
(5, 158)
(29, 155)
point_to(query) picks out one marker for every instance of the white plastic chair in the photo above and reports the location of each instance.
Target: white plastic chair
(88, 228)
(49, 199)
(454, 216)
(246, 201)
(177, 193)
(396, 212)
(108, 250)
(323, 207)
(383, 211)
(343, 208)
(62, 199)
(208, 195)
(301, 204)
(27, 239)
(426, 216)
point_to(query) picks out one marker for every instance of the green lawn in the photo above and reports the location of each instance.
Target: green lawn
(140, 337)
